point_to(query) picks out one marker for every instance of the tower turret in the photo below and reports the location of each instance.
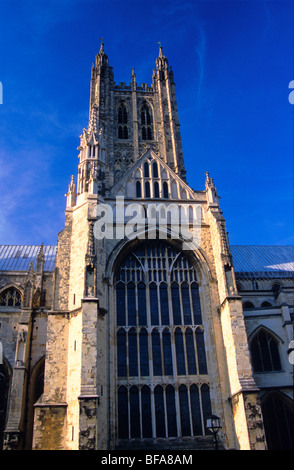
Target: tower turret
(170, 142)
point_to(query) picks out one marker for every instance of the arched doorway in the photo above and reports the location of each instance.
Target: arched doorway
(36, 388)
(278, 416)
(4, 387)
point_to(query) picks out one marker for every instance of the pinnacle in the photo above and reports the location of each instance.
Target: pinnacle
(101, 46)
(160, 49)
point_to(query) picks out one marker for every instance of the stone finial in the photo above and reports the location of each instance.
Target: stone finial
(41, 252)
(71, 195)
(40, 259)
(101, 46)
(160, 50)
(210, 188)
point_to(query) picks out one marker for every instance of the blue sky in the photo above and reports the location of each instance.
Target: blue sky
(232, 63)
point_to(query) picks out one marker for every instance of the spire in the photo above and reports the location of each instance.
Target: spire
(101, 58)
(161, 61)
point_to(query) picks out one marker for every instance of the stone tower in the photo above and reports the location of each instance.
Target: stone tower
(146, 335)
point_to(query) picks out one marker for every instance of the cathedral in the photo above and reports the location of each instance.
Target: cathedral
(143, 325)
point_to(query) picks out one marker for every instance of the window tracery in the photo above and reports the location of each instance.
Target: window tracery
(10, 297)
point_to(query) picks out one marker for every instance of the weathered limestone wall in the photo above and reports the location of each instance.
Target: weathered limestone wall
(79, 242)
(61, 274)
(74, 378)
(50, 411)
(88, 398)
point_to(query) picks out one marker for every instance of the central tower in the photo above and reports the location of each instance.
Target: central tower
(145, 338)
(125, 121)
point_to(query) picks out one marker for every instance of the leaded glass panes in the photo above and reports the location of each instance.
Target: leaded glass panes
(159, 411)
(142, 312)
(133, 358)
(134, 412)
(176, 304)
(167, 352)
(195, 410)
(131, 303)
(171, 411)
(144, 356)
(265, 352)
(153, 303)
(156, 353)
(184, 409)
(190, 350)
(180, 355)
(201, 351)
(120, 304)
(164, 311)
(123, 415)
(121, 353)
(146, 411)
(206, 406)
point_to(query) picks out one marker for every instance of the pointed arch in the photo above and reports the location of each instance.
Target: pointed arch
(36, 389)
(264, 350)
(278, 417)
(5, 378)
(10, 297)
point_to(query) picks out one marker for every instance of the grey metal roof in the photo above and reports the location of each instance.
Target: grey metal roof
(248, 260)
(263, 260)
(18, 257)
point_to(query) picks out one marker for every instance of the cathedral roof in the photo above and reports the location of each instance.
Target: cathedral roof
(263, 260)
(249, 260)
(18, 257)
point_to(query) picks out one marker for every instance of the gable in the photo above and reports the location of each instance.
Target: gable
(151, 178)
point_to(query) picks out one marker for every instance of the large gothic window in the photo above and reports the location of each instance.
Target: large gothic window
(161, 358)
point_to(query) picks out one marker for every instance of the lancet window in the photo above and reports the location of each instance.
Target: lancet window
(265, 352)
(146, 122)
(123, 132)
